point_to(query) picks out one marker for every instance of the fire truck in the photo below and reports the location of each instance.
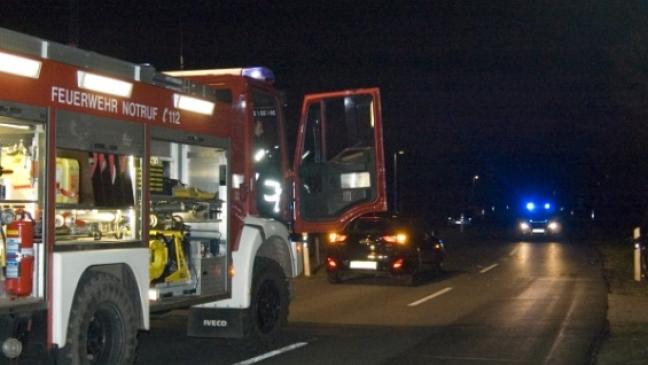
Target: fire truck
(125, 191)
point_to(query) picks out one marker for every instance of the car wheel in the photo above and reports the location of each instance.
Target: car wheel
(413, 278)
(438, 268)
(334, 277)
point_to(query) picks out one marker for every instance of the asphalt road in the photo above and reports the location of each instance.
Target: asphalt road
(498, 303)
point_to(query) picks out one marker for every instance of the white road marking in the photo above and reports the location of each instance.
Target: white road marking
(487, 269)
(561, 335)
(514, 251)
(273, 353)
(478, 359)
(431, 296)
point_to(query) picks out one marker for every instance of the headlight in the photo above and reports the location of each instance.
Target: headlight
(524, 226)
(553, 226)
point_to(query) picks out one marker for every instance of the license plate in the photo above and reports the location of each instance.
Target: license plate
(538, 230)
(366, 265)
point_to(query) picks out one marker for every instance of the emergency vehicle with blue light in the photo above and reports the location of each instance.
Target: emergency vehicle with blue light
(539, 218)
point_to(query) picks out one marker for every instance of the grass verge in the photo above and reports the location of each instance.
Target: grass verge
(627, 338)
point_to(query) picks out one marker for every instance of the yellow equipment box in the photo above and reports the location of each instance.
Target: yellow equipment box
(67, 181)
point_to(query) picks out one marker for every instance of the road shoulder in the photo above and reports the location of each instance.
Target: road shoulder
(627, 339)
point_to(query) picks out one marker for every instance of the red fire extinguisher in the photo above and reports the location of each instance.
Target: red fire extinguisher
(20, 256)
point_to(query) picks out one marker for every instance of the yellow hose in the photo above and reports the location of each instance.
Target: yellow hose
(159, 258)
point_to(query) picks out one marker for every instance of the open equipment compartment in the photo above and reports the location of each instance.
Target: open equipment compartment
(188, 233)
(22, 196)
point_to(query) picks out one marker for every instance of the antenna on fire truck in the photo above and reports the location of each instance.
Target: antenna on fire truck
(73, 29)
(181, 46)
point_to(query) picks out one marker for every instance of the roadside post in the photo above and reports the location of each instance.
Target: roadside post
(637, 253)
(307, 268)
(462, 221)
(317, 251)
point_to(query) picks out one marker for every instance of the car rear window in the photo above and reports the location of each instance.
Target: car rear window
(372, 226)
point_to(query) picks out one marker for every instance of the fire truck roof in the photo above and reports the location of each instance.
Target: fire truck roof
(13, 41)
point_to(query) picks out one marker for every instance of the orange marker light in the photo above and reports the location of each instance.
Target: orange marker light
(336, 237)
(390, 239)
(400, 238)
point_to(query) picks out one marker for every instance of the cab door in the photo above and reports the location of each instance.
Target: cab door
(339, 166)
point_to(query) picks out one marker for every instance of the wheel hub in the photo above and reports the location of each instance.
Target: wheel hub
(101, 334)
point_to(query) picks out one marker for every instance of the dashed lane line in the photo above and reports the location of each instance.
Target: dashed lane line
(487, 269)
(431, 296)
(273, 353)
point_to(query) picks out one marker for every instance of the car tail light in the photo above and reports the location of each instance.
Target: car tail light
(398, 264)
(399, 238)
(331, 263)
(336, 237)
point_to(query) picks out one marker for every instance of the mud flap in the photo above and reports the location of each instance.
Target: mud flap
(216, 322)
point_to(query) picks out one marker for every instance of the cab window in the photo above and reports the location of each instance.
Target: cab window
(266, 154)
(337, 165)
(371, 226)
(348, 124)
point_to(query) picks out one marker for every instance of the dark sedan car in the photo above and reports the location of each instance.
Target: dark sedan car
(385, 245)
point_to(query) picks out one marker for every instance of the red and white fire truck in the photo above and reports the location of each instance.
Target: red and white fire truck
(125, 191)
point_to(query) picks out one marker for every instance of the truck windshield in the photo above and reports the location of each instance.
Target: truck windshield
(372, 226)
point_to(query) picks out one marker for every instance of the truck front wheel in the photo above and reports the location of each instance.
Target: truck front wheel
(268, 310)
(103, 324)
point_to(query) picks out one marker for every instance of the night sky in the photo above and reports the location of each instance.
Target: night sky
(541, 95)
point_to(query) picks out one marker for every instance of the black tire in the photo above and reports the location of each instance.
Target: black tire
(268, 311)
(413, 278)
(103, 324)
(334, 277)
(439, 268)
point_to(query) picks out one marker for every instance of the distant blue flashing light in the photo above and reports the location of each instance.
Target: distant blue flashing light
(547, 206)
(259, 73)
(530, 206)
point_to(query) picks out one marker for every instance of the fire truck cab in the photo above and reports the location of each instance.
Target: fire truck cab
(125, 191)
